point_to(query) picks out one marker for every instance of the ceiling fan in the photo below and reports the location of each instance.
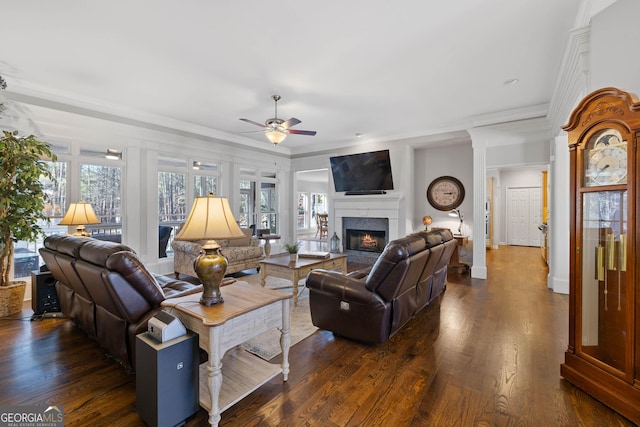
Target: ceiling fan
(277, 129)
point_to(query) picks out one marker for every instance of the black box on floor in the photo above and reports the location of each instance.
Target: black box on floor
(44, 298)
(167, 382)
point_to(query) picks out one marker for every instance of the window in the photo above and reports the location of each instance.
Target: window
(318, 206)
(308, 208)
(268, 204)
(302, 216)
(205, 180)
(101, 186)
(247, 203)
(265, 215)
(172, 198)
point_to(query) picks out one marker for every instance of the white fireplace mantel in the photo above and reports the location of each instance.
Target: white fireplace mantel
(369, 206)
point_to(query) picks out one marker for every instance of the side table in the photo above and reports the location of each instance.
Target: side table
(454, 262)
(247, 311)
(267, 243)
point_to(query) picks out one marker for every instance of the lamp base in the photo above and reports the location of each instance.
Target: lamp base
(210, 268)
(81, 231)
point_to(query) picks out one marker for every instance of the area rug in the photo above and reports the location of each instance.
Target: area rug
(267, 345)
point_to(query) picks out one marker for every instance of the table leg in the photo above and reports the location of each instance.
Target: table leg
(267, 248)
(263, 275)
(285, 338)
(214, 381)
(295, 280)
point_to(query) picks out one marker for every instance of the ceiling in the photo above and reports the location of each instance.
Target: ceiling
(386, 70)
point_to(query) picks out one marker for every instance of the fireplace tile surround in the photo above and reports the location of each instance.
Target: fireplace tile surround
(378, 213)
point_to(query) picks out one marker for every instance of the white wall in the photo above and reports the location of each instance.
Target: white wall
(615, 37)
(430, 163)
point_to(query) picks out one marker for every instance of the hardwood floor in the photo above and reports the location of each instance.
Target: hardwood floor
(488, 354)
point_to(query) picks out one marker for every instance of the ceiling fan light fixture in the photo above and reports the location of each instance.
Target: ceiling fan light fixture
(275, 136)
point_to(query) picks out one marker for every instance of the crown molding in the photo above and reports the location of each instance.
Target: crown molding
(513, 115)
(573, 79)
(28, 93)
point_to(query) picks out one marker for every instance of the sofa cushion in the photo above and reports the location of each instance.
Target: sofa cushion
(245, 241)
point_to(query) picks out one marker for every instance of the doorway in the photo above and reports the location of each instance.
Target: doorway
(524, 213)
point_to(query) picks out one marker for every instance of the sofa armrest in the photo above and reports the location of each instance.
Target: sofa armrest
(360, 274)
(339, 285)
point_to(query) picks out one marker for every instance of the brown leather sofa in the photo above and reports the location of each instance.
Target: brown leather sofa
(107, 291)
(372, 304)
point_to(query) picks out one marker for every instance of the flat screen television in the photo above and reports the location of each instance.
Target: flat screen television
(364, 173)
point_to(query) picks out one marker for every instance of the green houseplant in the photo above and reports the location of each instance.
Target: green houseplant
(22, 203)
(292, 250)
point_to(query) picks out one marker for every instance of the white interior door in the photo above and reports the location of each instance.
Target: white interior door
(525, 214)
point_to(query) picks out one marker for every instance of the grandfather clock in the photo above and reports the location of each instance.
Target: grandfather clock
(603, 356)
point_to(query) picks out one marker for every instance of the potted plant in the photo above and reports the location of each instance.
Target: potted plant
(22, 203)
(292, 250)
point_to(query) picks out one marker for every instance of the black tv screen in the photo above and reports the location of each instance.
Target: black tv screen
(362, 173)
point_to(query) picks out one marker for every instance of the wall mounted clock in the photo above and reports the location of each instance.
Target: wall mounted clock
(445, 193)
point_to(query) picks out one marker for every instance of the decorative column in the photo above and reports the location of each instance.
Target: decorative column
(479, 144)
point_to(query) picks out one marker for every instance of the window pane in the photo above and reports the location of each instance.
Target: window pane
(302, 209)
(248, 213)
(100, 186)
(318, 206)
(172, 196)
(203, 185)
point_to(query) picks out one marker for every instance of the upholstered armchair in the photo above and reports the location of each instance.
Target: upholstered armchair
(241, 254)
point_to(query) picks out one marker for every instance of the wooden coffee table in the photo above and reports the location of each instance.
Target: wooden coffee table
(281, 266)
(246, 312)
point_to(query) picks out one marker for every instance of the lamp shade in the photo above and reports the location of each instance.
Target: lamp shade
(210, 218)
(80, 214)
(275, 136)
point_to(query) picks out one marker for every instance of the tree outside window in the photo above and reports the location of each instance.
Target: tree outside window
(101, 186)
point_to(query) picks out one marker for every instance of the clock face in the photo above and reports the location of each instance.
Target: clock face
(445, 193)
(606, 161)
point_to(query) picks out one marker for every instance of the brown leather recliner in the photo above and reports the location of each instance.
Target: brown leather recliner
(371, 305)
(107, 291)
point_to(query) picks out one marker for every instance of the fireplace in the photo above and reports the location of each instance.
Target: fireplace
(365, 240)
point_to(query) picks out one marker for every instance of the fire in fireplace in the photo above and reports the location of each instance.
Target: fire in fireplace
(365, 240)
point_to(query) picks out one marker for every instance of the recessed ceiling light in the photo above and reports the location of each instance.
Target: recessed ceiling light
(358, 135)
(511, 82)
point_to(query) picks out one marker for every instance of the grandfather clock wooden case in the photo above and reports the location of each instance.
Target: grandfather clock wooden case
(603, 357)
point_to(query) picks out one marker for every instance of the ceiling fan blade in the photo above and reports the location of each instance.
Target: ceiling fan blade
(253, 123)
(291, 122)
(302, 132)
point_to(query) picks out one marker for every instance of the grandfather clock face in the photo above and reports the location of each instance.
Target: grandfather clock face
(605, 159)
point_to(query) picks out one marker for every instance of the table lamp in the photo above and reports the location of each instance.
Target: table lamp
(458, 214)
(426, 221)
(210, 218)
(79, 214)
